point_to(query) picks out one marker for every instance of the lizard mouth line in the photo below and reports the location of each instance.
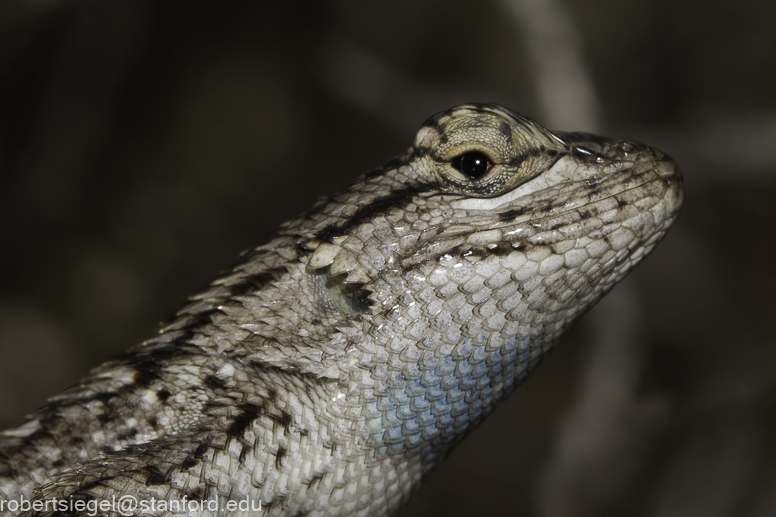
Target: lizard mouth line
(514, 236)
(641, 186)
(539, 214)
(442, 243)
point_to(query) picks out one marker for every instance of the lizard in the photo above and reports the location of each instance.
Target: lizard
(332, 368)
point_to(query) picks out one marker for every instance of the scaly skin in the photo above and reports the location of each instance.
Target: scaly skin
(336, 365)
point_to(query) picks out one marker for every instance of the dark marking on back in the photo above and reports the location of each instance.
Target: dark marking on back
(279, 457)
(196, 494)
(201, 450)
(126, 435)
(243, 453)
(163, 395)
(194, 459)
(248, 413)
(150, 362)
(215, 383)
(316, 479)
(155, 476)
(146, 373)
(584, 214)
(157, 354)
(284, 419)
(189, 462)
(40, 434)
(91, 484)
(214, 404)
(105, 396)
(19, 444)
(620, 201)
(383, 205)
(256, 282)
(193, 322)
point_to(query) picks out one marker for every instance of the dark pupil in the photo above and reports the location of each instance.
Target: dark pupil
(474, 164)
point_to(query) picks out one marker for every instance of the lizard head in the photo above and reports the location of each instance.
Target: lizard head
(483, 184)
(466, 257)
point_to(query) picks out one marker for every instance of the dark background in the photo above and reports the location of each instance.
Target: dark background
(144, 144)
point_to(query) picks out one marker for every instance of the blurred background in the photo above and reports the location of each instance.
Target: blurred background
(144, 144)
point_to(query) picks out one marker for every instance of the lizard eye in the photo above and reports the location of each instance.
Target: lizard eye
(473, 164)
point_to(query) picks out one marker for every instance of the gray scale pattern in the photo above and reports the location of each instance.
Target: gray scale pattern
(336, 365)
